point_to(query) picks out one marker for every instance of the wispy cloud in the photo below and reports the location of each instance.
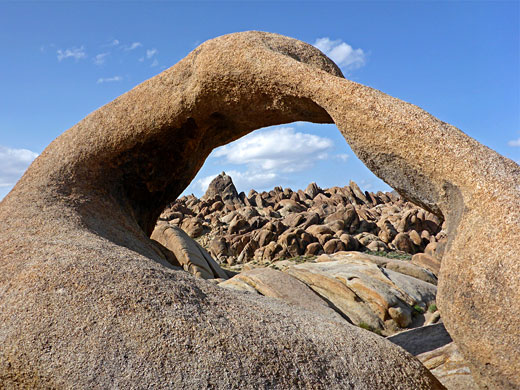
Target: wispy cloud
(341, 157)
(109, 79)
(133, 46)
(13, 163)
(74, 52)
(151, 52)
(341, 53)
(154, 63)
(100, 58)
(514, 142)
(112, 43)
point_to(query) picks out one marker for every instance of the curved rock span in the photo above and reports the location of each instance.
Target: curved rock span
(87, 299)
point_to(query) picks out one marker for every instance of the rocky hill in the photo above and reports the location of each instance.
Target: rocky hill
(280, 224)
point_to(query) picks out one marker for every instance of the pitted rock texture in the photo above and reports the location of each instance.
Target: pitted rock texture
(87, 301)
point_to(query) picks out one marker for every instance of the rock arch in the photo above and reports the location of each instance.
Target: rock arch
(86, 298)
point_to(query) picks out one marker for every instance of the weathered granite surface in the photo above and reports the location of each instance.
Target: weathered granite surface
(87, 301)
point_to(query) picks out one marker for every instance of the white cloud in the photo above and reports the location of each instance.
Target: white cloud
(342, 157)
(113, 43)
(341, 53)
(514, 142)
(109, 79)
(133, 46)
(13, 163)
(280, 149)
(151, 52)
(367, 185)
(74, 52)
(154, 63)
(268, 157)
(100, 58)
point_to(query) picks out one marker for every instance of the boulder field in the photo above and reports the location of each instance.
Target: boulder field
(88, 300)
(283, 223)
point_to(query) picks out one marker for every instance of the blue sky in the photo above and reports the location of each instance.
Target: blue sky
(457, 60)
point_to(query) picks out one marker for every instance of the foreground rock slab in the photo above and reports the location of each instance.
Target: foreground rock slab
(367, 294)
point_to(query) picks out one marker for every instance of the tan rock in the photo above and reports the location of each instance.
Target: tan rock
(286, 206)
(401, 266)
(293, 219)
(403, 243)
(431, 249)
(222, 186)
(357, 192)
(334, 245)
(366, 238)
(238, 284)
(92, 198)
(363, 292)
(323, 238)
(276, 284)
(407, 268)
(193, 227)
(238, 225)
(415, 237)
(449, 366)
(218, 247)
(336, 226)
(316, 230)
(191, 256)
(426, 261)
(402, 315)
(387, 232)
(351, 244)
(377, 246)
(313, 249)
(312, 190)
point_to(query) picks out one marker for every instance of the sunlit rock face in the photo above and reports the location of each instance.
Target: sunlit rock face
(89, 301)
